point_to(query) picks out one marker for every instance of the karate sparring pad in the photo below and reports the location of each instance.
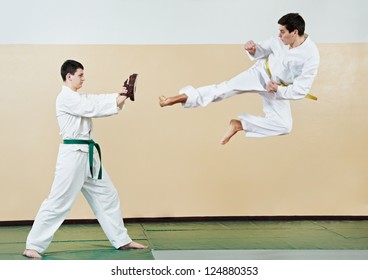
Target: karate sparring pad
(131, 86)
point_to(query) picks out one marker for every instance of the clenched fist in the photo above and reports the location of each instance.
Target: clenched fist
(250, 47)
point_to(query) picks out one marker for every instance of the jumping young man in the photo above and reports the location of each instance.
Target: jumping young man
(285, 70)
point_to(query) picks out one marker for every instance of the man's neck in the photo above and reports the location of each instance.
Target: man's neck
(70, 87)
(298, 41)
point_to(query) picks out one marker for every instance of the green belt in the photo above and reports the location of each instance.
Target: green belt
(91, 144)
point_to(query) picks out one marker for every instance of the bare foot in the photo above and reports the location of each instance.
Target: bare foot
(33, 254)
(133, 245)
(168, 101)
(234, 127)
(164, 101)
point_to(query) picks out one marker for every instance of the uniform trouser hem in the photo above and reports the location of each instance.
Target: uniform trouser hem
(123, 243)
(189, 91)
(38, 249)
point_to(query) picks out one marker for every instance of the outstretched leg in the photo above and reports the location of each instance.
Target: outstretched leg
(234, 127)
(168, 101)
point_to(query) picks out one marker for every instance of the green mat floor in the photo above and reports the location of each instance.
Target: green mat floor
(88, 242)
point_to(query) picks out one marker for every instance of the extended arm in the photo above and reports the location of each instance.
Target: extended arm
(91, 105)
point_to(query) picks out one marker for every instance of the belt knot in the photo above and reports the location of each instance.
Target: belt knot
(91, 144)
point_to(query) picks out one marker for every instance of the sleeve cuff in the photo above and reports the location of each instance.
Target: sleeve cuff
(280, 94)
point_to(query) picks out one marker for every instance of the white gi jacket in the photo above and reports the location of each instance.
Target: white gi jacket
(296, 67)
(74, 112)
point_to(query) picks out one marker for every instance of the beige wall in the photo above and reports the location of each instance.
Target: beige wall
(167, 162)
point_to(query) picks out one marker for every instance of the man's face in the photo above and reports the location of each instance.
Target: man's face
(76, 80)
(287, 37)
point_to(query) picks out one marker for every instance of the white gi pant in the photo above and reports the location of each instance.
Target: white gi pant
(72, 175)
(277, 119)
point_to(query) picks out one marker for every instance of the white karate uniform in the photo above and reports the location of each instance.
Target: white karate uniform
(72, 175)
(295, 67)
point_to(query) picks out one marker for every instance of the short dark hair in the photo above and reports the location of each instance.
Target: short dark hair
(70, 66)
(293, 21)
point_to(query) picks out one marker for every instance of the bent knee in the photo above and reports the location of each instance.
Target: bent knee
(286, 129)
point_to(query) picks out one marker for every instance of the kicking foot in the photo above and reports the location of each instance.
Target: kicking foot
(133, 245)
(33, 254)
(234, 127)
(168, 101)
(164, 101)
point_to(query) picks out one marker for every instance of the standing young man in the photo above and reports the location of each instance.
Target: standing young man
(285, 70)
(78, 167)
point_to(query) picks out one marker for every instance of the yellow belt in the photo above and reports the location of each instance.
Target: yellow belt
(310, 96)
